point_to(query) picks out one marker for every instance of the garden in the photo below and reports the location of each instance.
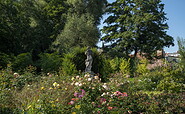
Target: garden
(43, 61)
(119, 86)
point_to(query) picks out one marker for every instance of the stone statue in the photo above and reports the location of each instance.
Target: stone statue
(89, 60)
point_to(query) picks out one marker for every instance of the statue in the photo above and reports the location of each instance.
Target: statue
(89, 60)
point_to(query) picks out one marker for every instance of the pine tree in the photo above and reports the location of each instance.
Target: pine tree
(136, 26)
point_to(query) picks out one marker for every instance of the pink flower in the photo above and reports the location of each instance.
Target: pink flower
(110, 108)
(102, 100)
(75, 94)
(83, 91)
(80, 96)
(118, 93)
(71, 103)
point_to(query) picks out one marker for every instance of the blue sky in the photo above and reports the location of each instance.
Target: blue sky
(175, 11)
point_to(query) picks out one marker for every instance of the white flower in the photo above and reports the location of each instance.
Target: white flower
(87, 75)
(15, 74)
(105, 86)
(80, 84)
(96, 77)
(76, 84)
(77, 77)
(103, 94)
(89, 79)
(72, 83)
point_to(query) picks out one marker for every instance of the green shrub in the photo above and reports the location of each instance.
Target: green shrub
(4, 60)
(168, 84)
(50, 62)
(104, 68)
(49, 95)
(6, 78)
(164, 79)
(114, 64)
(68, 67)
(75, 61)
(22, 61)
(142, 67)
(149, 82)
(28, 76)
(79, 58)
(7, 105)
(125, 66)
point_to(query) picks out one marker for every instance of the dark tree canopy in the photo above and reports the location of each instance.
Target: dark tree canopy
(136, 25)
(80, 29)
(30, 25)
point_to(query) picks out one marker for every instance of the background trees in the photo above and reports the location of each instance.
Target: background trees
(136, 26)
(78, 31)
(81, 26)
(47, 26)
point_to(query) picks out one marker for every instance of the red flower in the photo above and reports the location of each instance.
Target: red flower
(74, 99)
(124, 94)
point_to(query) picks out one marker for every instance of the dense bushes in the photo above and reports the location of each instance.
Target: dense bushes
(75, 61)
(22, 61)
(50, 62)
(4, 60)
(68, 66)
(56, 93)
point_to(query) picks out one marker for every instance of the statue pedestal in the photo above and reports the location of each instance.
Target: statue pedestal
(89, 72)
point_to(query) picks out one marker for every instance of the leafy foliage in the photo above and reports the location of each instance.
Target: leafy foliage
(5, 60)
(68, 67)
(142, 67)
(93, 7)
(78, 32)
(181, 44)
(50, 62)
(136, 25)
(22, 61)
(114, 64)
(125, 67)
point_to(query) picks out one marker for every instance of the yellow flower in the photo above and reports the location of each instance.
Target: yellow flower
(58, 85)
(73, 112)
(28, 107)
(51, 101)
(55, 84)
(42, 88)
(77, 106)
(53, 105)
(50, 88)
(57, 100)
(72, 78)
(65, 88)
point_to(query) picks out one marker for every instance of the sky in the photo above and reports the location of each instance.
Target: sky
(175, 12)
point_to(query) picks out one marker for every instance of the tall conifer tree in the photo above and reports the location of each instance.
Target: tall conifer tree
(136, 26)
